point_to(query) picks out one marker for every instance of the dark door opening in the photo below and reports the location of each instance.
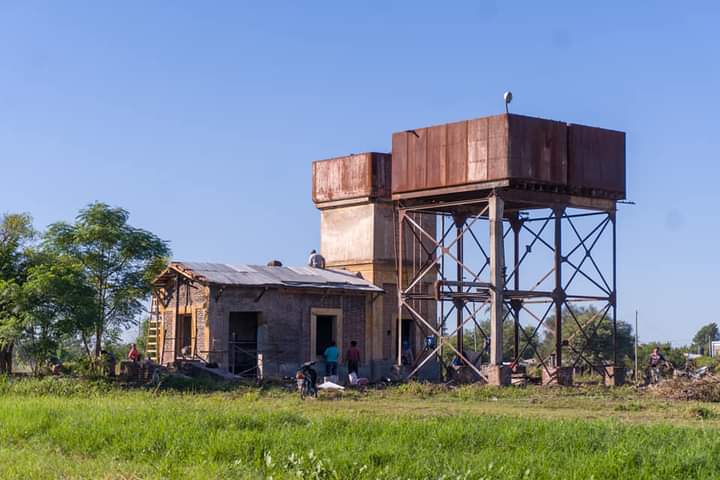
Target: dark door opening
(407, 339)
(243, 343)
(183, 335)
(324, 332)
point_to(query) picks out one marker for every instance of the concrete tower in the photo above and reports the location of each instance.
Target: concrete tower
(357, 234)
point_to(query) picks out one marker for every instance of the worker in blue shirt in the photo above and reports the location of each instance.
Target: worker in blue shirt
(331, 355)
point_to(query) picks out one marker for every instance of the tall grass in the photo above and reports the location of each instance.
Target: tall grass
(139, 435)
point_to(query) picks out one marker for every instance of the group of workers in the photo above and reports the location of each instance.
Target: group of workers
(109, 361)
(351, 358)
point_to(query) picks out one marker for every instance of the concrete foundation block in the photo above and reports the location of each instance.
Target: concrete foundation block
(558, 376)
(615, 376)
(499, 375)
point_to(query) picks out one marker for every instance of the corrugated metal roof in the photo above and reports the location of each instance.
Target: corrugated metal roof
(264, 276)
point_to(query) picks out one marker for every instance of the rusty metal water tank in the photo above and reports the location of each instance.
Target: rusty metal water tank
(508, 150)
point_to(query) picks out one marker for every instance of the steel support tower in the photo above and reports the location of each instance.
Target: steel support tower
(529, 263)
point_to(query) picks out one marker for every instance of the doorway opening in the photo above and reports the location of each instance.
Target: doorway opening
(243, 345)
(325, 332)
(183, 336)
(326, 326)
(407, 340)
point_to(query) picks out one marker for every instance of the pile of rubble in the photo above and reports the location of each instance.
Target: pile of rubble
(705, 388)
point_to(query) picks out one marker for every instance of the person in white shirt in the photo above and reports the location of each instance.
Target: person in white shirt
(316, 260)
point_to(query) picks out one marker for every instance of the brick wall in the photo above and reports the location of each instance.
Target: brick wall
(192, 300)
(283, 322)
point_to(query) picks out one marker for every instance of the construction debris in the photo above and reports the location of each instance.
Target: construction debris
(704, 388)
(330, 386)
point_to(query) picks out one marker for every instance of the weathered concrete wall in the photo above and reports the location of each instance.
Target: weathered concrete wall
(361, 238)
(365, 234)
(347, 234)
(389, 321)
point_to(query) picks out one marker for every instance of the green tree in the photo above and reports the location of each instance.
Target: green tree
(707, 333)
(476, 339)
(473, 339)
(11, 320)
(16, 235)
(118, 262)
(141, 339)
(674, 355)
(600, 349)
(57, 304)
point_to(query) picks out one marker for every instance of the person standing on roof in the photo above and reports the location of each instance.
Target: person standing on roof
(331, 355)
(316, 260)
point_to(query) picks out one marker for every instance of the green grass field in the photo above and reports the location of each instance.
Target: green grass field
(67, 429)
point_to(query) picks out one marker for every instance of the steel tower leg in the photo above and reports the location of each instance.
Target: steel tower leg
(497, 279)
(459, 303)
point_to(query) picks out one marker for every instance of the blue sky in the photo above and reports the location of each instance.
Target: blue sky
(202, 118)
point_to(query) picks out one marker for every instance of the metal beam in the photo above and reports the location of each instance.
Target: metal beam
(559, 294)
(474, 271)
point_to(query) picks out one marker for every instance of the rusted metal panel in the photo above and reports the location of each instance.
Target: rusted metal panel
(437, 155)
(417, 144)
(538, 149)
(456, 153)
(596, 158)
(381, 175)
(344, 177)
(400, 167)
(514, 148)
(477, 150)
(354, 176)
(497, 147)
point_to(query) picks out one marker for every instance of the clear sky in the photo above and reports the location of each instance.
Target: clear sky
(202, 118)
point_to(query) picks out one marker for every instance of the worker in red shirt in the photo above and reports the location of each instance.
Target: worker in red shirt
(352, 356)
(133, 354)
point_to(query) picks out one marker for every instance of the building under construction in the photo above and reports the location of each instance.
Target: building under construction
(500, 226)
(257, 320)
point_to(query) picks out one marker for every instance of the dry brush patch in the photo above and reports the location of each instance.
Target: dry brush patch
(704, 389)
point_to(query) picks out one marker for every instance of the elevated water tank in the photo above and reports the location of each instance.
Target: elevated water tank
(508, 150)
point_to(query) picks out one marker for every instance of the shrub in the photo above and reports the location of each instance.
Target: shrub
(703, 413)
(710, 362)
(421, 390)
(55, 386)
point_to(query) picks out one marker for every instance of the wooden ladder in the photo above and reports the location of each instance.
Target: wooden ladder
(153, 330)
